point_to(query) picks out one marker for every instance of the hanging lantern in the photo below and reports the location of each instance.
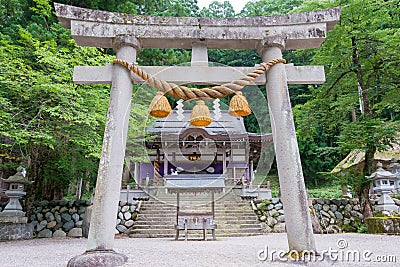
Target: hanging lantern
(239, 106)
(159, 106)
(200, 116)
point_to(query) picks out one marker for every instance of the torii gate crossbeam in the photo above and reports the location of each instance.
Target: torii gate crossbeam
(128, 33)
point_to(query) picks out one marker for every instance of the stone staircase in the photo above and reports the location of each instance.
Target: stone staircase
(233, 216)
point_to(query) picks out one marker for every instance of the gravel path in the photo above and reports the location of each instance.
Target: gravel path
(244, 251)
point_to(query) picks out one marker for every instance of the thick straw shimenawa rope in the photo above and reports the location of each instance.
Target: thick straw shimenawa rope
(187, 93)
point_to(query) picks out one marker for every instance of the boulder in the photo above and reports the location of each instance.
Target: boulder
(120, 215)
(325, 214)
(122, 203)
(65, 217)
(270, 207)
(39, 217)
(336, 202)
(348, 207)
(63, 202)
(317, 207)
(127, 215)
(59, 233)
(51, 224)
(279, 228)
(79, 223)
(281, 218)
(45, 233)
(58, 226)
(72, 210)
(63, 209)
(75, 217)
(331, 214)
(265, 228)
(129, 223)
(356, 214)
(75, 232)
(81, 210)
(43, 203)
(320, 201)
(344, 201)
(121, 228)
(58, 218)
(271, 221)
(338, 215)
(357, 207)
(41, 225)
(275, 200)
(263, 218)
(124, 208)
(68, 226)
(49, 216)
(273, 213)
(53, 203)
(325, 207)
(333, 207)
(278, 206)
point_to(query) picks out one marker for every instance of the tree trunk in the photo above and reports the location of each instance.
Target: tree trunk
(363, 195)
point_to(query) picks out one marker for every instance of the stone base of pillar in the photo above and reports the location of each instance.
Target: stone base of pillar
(98, 258)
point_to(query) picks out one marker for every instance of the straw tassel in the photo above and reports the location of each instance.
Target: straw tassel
(159, 106)
(200, 116)
(239, 106)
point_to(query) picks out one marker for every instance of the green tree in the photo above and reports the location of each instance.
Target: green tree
(358, 101)
(218, 10)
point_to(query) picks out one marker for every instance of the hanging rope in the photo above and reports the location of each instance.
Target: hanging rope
(187, 93)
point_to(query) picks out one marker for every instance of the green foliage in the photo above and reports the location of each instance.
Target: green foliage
(362, 229)
(55, 127)
(269, 7)
(218, 10)
(325, 191)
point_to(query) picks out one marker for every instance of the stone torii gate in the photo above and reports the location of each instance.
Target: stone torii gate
(127, 34)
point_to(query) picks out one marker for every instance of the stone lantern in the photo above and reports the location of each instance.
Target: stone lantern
(383, 184)
(15, 192)
(394, 167)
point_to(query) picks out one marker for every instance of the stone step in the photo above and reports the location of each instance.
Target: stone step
(191, 235)
(171, 232)
(158, 216)
(154, 206)
(155, 225)
(229, 220)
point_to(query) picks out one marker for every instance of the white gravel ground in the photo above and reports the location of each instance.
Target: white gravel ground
(374, 250)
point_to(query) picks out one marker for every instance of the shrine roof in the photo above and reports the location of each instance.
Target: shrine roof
(226, 126)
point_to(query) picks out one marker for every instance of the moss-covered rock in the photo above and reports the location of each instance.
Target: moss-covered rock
(380, 225)
(348, 228)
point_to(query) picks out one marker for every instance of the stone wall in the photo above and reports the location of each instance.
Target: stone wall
(127, 214)
(337, 215)
(58, 218)
(271, 215)
(333, 215)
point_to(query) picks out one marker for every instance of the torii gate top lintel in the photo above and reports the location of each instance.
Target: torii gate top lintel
(99, 28)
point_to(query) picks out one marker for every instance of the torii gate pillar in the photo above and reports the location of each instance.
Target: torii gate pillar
(105, 204)
(291, 181)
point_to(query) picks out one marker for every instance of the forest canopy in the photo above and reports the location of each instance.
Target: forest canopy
(55, 128)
